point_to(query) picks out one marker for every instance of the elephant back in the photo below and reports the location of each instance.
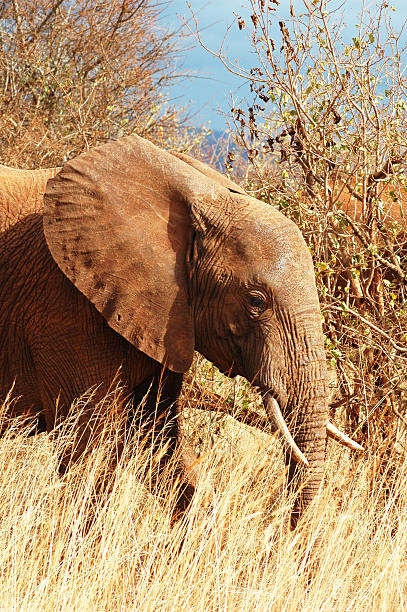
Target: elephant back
(21, 193)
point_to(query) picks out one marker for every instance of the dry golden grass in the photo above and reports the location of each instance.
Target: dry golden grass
(232, 551)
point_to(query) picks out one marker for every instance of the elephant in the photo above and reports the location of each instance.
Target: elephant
(138, 257)
(21, 193)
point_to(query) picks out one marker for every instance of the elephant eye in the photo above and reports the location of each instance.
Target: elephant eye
(257, 303)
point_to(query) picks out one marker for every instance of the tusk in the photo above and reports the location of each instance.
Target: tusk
(339, 436)
(277, 418)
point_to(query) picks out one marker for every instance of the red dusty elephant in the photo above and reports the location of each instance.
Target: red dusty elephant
(138, 258)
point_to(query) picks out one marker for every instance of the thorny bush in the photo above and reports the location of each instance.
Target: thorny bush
(76, 74)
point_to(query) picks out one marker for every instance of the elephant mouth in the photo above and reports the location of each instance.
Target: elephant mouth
(279, 425)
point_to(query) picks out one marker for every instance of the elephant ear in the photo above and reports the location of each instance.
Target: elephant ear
(210, 172)
(118, 221)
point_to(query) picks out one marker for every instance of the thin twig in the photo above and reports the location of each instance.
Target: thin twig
(399, 348)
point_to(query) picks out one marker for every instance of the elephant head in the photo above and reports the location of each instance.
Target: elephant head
(178, 258)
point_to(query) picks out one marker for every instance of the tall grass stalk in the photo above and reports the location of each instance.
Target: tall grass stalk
(65, 548)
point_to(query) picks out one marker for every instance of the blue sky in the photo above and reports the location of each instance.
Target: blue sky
(211, 88)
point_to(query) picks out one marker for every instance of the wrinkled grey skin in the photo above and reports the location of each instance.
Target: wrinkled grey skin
(145, 258)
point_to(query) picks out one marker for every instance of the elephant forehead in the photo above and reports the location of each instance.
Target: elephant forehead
(268, 247)
(275, 258)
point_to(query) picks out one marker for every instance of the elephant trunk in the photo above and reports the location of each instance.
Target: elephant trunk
(311, 437)
(305, 454)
